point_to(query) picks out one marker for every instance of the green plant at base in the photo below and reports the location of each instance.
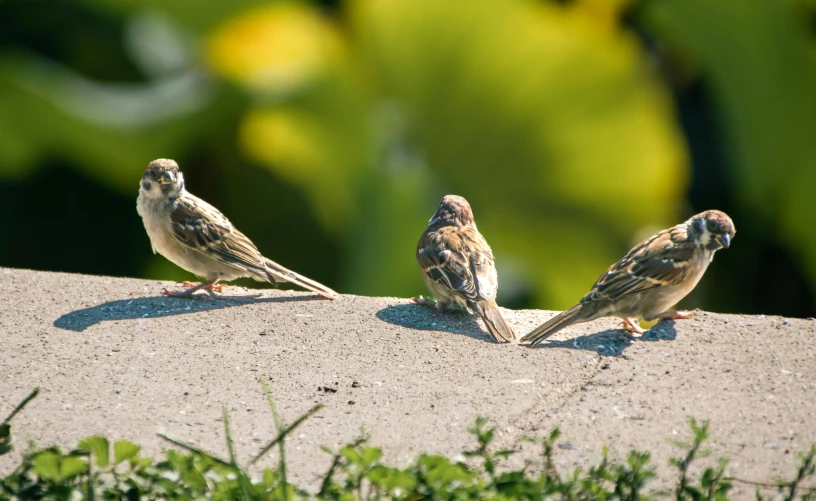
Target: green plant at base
(97, 469)
(5, 427)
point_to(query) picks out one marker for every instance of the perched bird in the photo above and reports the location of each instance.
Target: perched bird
(457, 265)
(197, 237)
(654, 276)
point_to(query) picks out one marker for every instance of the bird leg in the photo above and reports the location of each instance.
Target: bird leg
(676, 315)
(439, 305)
(631, 325)
(209, 286)
(424, 301)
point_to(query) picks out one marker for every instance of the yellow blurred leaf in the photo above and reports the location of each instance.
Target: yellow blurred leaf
(605, 14)
(545, 117)
(276, 47)
(283, 138)
(292, 143)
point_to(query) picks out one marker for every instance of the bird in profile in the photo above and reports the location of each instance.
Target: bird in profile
(195, 236)
(654, 276)
(457, 266)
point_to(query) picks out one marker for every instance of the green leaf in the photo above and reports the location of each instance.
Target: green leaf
(138, 463)
(370, 455)
(693, 492)
(99, 447)
(351, 455)
(176, 460)
(192, 477)
(5, 439)
(124, 450)
(47, 465)
(439, 471)
(391, 478)
(269, 477)
(71, 466)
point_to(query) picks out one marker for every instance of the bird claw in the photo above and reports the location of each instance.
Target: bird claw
(210, 287)
(631, 325)
(424, 301)
(440, 306)
(193, 288)
(169, 293)
(678, 315)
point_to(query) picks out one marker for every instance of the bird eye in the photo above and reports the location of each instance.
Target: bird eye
(712, 226)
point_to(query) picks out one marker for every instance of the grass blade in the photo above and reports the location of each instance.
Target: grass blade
(22, 404)
(278, 427)
(194, 449)
(286, 431)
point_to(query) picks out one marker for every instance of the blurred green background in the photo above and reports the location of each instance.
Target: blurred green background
(328, 131)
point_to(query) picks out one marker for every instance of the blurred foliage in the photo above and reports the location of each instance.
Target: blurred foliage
(329, 131)
(759, 60)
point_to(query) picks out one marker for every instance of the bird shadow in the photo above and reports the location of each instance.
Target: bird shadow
(613, 342)
(158, 306)
(419, 317)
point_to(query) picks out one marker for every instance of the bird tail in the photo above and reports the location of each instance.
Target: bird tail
(555, 324)
(277, 273)
(489, 312)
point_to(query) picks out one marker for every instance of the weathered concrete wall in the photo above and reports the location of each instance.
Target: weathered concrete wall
(113, 357)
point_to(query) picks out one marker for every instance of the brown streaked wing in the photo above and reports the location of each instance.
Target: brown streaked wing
(440, 257)
(202, 227)
(657, 261)
(482, 266)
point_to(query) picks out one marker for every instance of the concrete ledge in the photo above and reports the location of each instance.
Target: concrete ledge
(114, 358)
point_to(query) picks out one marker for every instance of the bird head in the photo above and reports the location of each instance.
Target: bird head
(712, 229)
(453, 211)
(162, 179)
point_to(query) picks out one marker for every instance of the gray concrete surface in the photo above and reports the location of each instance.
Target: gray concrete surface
(114, 358)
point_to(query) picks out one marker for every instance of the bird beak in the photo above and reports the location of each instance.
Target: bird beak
(168, 177)
(725, 240)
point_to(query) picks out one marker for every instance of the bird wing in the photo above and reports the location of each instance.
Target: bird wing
(483, 268)
(460, 259)
(661, 260)
(201, 227)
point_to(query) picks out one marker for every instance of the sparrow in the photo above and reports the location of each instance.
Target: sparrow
(654, 276)
(457, 266)
(195, 236)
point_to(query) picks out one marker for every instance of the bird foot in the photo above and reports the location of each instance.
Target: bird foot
(676, 315)
(424, 301)
(184, 293)
(631, 325)
(442, 306)
(210, 287)
(194, 287)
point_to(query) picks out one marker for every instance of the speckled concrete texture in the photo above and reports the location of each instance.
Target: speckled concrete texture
(113, 357)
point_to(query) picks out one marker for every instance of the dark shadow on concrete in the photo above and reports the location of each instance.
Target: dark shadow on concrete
(613, 342)
(661, 331)
(414, 316)
(162, 306)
